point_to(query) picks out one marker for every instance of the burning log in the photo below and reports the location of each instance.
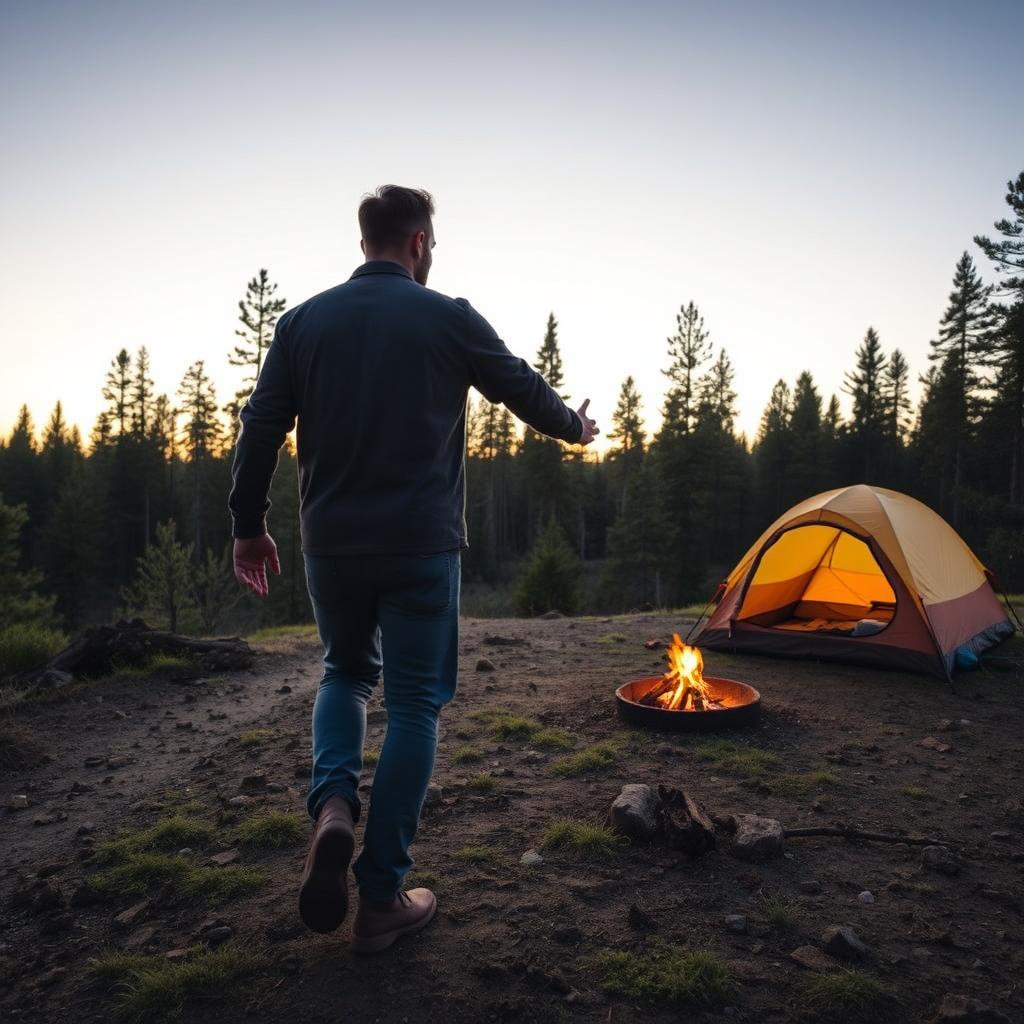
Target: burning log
(684, 822)
(682, 688)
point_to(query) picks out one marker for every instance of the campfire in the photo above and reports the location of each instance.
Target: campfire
(683, 687)
(684, 699)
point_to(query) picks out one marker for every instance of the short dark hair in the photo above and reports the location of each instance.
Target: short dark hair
(392, 213)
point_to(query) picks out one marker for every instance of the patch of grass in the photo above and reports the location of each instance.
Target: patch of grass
(582, 838)
(667, 974)
(371, 756)
(171, 833)
(137, 872)
(275, 632)
(791, 784)
(751, 763)
(845, 991)
(256, 737)
(917, 792)
(825, 777)
(612, 638)
(922, 887)
(479, 854)
(425, 879)
(25, 646)
(554, 739)
(162, 661)
(157, 989)
(778, 912)
(485, 782)
(272, 829)
(599, 757)
(20, 747)
(466, 754)
(514, 727)
(121, 672)
(142, 871)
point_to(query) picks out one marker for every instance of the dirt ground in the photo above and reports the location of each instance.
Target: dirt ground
(524, 944)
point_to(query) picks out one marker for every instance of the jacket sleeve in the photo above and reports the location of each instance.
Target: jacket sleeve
(266, 418)
(503, 377)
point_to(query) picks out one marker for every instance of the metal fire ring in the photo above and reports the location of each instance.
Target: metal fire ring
(744, 713)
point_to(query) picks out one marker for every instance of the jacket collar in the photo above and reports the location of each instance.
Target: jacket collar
(381, 267)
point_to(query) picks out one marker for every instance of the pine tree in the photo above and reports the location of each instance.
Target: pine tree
(716, 391)
(258, 313)
(201, 434)
(141, 394)
(549, 358)
(550, 582)
(773, 450)
(117, 391)
(688, 350)
(20, 600)
(964, 343)
(214, 590)
(896, 396)
(1008, 254)
(805, 475)
(864, 384)
(162, 589)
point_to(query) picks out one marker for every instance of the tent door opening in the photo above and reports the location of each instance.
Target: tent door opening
(819, 579)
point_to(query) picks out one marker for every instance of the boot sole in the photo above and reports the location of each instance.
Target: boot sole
(323, 898)
(378, 943)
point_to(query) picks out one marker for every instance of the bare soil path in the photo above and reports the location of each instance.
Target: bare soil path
(883, 751)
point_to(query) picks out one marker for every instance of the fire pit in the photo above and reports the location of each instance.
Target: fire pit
(685, 700)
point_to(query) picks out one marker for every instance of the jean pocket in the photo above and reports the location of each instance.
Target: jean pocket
(427, 587)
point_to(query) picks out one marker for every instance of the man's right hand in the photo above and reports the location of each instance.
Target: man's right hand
(590, 430)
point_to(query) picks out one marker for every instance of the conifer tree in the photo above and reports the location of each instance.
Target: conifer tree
(550, 582)
(161, 592)
(214, 590)
(864, 384)
(117, 391)
(896, 396)
(549, 358)
(258, 313)
(141, 394)
(806, 442)
(20, 600)
(689, 348)
(201, 435)
(773, 448)
(716, 391)
(1008, 253)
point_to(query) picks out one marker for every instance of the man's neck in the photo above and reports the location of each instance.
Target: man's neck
(392, 259)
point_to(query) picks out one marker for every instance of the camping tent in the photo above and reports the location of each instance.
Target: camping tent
(859, 574)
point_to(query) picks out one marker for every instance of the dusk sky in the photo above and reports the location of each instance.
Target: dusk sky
(799, 170)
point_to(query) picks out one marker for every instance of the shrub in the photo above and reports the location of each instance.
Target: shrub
(550, 582)
(667, 973)
(26, 645)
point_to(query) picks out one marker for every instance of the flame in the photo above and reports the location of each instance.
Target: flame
(685, 675)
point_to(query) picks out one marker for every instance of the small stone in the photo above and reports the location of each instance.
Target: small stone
(946, 724)
(94, 761)
(534, 757)
(176, 954)
(47, 897)
(140, 937)
(931, 743)
(253, 782)
(812, 958)
(51, 868)
(865, 897)
(239, 801)
(219, 935)
(736, 923)
(484, 665)
(531, 859)
(435, 794)
(276, 787)
(843, 942)
(18, 802)
(129, 917)
(940, 859)
(226, 857)
(958, 1009)
(284, 688)
(810, 887)
(1000, 837)
(51, 977)
(634, 812)
(120, 761)
(756, 838)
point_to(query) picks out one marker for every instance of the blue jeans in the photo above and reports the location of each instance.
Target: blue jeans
(399, 613)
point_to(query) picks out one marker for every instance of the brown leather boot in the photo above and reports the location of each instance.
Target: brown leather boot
(323, 895)
(377, 925)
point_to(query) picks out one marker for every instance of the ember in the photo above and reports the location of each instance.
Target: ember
(683, 687)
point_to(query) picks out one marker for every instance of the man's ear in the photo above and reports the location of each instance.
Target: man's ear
(419, 240)
(362, 245)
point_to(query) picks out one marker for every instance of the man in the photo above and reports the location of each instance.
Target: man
(378, 370)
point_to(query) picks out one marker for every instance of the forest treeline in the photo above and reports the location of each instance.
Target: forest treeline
(134, 518)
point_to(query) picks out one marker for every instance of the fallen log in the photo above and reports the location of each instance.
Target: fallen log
(849, 832)
(131, 643)
(684, 822)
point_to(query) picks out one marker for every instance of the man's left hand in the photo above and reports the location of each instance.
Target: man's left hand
(251, 558)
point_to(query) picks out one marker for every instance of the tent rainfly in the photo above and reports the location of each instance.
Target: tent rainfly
(859, 574)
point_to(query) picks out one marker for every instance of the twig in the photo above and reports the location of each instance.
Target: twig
(848, 832)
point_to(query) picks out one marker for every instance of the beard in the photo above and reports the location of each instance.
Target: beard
(420, 272)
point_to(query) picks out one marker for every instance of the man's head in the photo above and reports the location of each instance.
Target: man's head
(396, 225)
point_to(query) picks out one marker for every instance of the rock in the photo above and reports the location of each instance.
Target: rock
(639, 918)
(812, 958)
(51, 868)
(377, 716)
(1000, 837)
(86, 896)
(568, 935)
(939, 858)
(120, 761)
(531, 859)
(958, 1009)
(127, 918)
(225, 857)
(756, 838)
(434, 795)
(867, 898)
(240, 801)
(47, 896)
(54, 974)
(810, 887)
(634, 811)
(283, 688)
(140, 937)
(931, 743)
(218, 936)
(18, 802)
(52, 679)
(843, 943)
(484, 665)
(177, 954)
(534, 757)
(253, 782)
(94, 761)
(736, 923)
